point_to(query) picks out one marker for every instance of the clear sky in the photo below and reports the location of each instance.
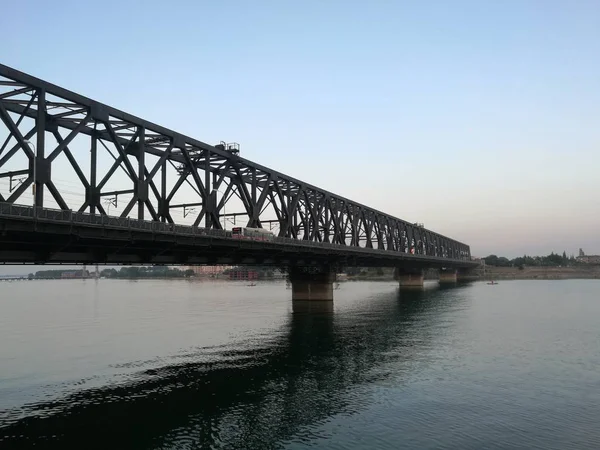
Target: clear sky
(478, 118)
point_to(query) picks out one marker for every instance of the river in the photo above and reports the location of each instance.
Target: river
(188, 364)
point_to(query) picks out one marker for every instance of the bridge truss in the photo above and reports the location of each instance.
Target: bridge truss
(151, 166)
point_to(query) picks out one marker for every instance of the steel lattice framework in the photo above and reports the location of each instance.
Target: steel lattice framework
(157, 162)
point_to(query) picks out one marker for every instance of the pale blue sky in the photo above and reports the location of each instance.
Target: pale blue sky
(478, 118)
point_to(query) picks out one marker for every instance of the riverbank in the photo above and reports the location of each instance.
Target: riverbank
(506, 273)
(491, 273)
(541, 273)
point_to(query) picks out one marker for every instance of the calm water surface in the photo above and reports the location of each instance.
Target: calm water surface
(186, 365)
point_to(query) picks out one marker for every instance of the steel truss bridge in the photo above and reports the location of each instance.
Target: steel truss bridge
(112, 155)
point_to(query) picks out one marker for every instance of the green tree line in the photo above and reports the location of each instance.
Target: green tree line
(123, 272)
(551, 260)
(56, 273)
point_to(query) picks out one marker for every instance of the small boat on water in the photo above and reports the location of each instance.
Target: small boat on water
(492, 282)
(251, 284)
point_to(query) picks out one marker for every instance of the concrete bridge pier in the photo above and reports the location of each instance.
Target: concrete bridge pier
(409, 278)
(311, 284)
(448, 276)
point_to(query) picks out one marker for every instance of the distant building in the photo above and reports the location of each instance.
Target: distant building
(589, 259)
(243, 274)
(208, 271)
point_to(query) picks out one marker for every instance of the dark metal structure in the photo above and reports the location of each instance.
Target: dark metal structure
(42, 121)
(60, 236)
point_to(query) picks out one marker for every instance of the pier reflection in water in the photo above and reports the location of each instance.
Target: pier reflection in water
(381, 370)
(242, 394)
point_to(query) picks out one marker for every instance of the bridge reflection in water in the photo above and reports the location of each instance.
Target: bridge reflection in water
(247, 397)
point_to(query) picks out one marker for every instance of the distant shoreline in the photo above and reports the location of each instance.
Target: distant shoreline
(512, 273)
(541, 273)
(491, 273)
(143, 278)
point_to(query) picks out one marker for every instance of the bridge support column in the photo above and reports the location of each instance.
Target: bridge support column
(448, 276)
(466, 275)
(409, 278)
(312, 284)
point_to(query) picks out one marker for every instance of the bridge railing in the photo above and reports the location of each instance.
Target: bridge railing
(58, 215)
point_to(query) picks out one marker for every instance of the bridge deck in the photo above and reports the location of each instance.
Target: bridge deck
(56, 236)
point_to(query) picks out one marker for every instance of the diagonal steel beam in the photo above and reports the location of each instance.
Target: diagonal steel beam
(16, 92)
(259, 203)
(17, 193)
(16, 147)
(200, 217)
(192, 169)
(12, 127)
(63, 143)
(56, 194)
(71, 159)
(160, 162)
(275, 206)
(178, 184)
(151, 210)
(291, 211)
(21, 117)
(122, 151)
(110, 172)
(129, 206)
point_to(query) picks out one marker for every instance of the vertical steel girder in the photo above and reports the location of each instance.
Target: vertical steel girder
(301, 211)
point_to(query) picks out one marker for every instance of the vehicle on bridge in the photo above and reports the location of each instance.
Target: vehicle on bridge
(255, 234)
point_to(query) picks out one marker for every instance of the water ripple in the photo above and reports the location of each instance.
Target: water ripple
(439, 369)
